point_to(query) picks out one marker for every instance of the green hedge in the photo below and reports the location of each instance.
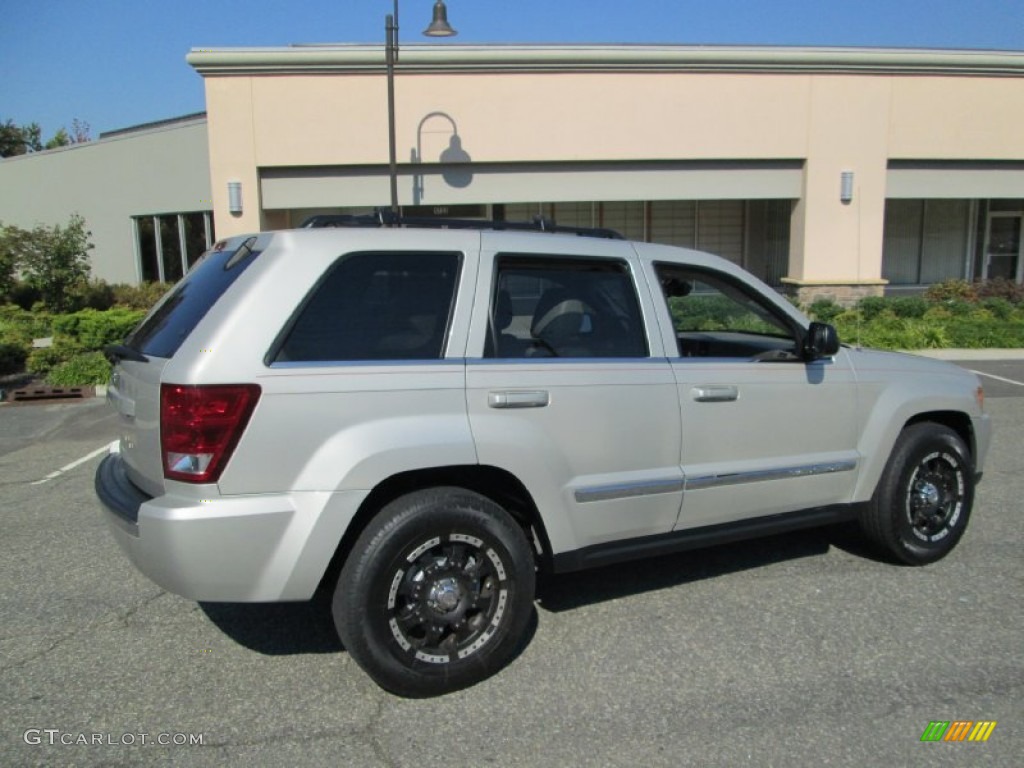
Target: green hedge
(75, 356)
(953, 314)
(88, 368)
(12, 358)
(19, 326)
(92, 330)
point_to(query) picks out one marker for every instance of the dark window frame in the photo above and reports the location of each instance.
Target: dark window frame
(277, 348)
(797, 333)
(552, 263)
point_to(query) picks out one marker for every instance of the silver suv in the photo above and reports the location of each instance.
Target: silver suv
(418, 420)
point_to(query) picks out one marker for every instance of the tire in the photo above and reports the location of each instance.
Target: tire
(437, 593)
(923, 500)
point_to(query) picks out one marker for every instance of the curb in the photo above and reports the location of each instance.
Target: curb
(970, 354)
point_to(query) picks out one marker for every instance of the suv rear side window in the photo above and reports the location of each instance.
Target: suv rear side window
(555, 307)
(375, 306)
(179, 312)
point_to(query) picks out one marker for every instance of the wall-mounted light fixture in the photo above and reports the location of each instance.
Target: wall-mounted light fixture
(235, 197)
(846, 187)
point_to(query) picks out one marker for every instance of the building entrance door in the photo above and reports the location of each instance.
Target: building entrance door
(1003, 247)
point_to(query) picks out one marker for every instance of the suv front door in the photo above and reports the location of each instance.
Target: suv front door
(764, 431)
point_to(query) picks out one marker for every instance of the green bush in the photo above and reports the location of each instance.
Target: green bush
(82, 370)
(959, 308)
(12, 358)
(93, 330)
(999, 307)
(952, 290)
(139, 296)
(41, 361)
(18, 326)
(825, 310)
(872, 306)
(1001, 288)
(24, 295)
(909, 306)
(94, 294)
(978, 332)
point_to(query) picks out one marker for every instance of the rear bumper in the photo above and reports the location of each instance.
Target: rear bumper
(264, 548)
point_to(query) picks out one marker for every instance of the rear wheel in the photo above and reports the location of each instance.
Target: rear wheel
(437, 592)
(923, 500)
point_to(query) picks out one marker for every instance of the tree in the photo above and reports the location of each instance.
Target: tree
(54, 259)
(60, 139)
(8, 262)
(80, 131)
(20, 140)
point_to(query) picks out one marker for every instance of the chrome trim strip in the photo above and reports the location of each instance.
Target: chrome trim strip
(760, 475)
(622, 361)
(628, 490)
(410, 363)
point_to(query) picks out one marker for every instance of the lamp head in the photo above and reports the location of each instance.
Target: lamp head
(440, 27)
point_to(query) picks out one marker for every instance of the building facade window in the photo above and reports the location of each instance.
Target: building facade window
(167, 245)
(926, 241)
(1000, 240)
(751, 233)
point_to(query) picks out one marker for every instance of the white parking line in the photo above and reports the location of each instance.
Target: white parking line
(72, 465)
(999, 378)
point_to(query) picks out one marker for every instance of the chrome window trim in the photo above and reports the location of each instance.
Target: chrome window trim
(646, 360)
(390, 363)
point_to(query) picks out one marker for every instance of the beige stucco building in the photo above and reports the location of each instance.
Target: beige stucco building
(833, 172)
(737, 150)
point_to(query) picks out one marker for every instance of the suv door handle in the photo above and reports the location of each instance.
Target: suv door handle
(715, 393)
(512, 399)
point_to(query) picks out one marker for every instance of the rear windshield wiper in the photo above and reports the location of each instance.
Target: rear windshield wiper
(116, 352)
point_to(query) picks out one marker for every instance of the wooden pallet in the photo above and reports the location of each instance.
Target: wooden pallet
(44, 392)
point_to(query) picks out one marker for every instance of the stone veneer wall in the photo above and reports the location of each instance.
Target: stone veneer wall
(844, 294)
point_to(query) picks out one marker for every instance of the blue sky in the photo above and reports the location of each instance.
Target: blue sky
(115, 63)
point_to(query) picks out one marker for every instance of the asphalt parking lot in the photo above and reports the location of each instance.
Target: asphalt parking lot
(790, 651)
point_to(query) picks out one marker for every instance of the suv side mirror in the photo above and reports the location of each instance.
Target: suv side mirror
(821, 341)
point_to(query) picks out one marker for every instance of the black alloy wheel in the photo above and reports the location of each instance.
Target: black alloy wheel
(437, 592)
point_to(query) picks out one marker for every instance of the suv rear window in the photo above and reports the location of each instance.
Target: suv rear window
(375, 306)
(179, 312)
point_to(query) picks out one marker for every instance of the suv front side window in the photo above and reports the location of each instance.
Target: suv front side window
(558, 307)
(375, 306)
(714, 316)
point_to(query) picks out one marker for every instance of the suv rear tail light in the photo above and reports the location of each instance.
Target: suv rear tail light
(200, 427)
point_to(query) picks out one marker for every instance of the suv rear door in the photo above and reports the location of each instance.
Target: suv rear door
(567, 391)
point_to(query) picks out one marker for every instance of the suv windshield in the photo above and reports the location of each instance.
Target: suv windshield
(179, 312)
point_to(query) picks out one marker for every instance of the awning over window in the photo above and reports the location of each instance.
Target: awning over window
(288, 188)
(954, 180)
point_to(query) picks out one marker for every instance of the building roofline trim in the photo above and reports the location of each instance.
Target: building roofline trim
(122, 134)
(170, 122)
(431, 58)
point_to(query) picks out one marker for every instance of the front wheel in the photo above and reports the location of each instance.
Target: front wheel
(923, 501)
(437, 592)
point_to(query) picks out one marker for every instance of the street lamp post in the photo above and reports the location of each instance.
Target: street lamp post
(439, 27)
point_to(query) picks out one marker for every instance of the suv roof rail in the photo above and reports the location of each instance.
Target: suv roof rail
(383, 217)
